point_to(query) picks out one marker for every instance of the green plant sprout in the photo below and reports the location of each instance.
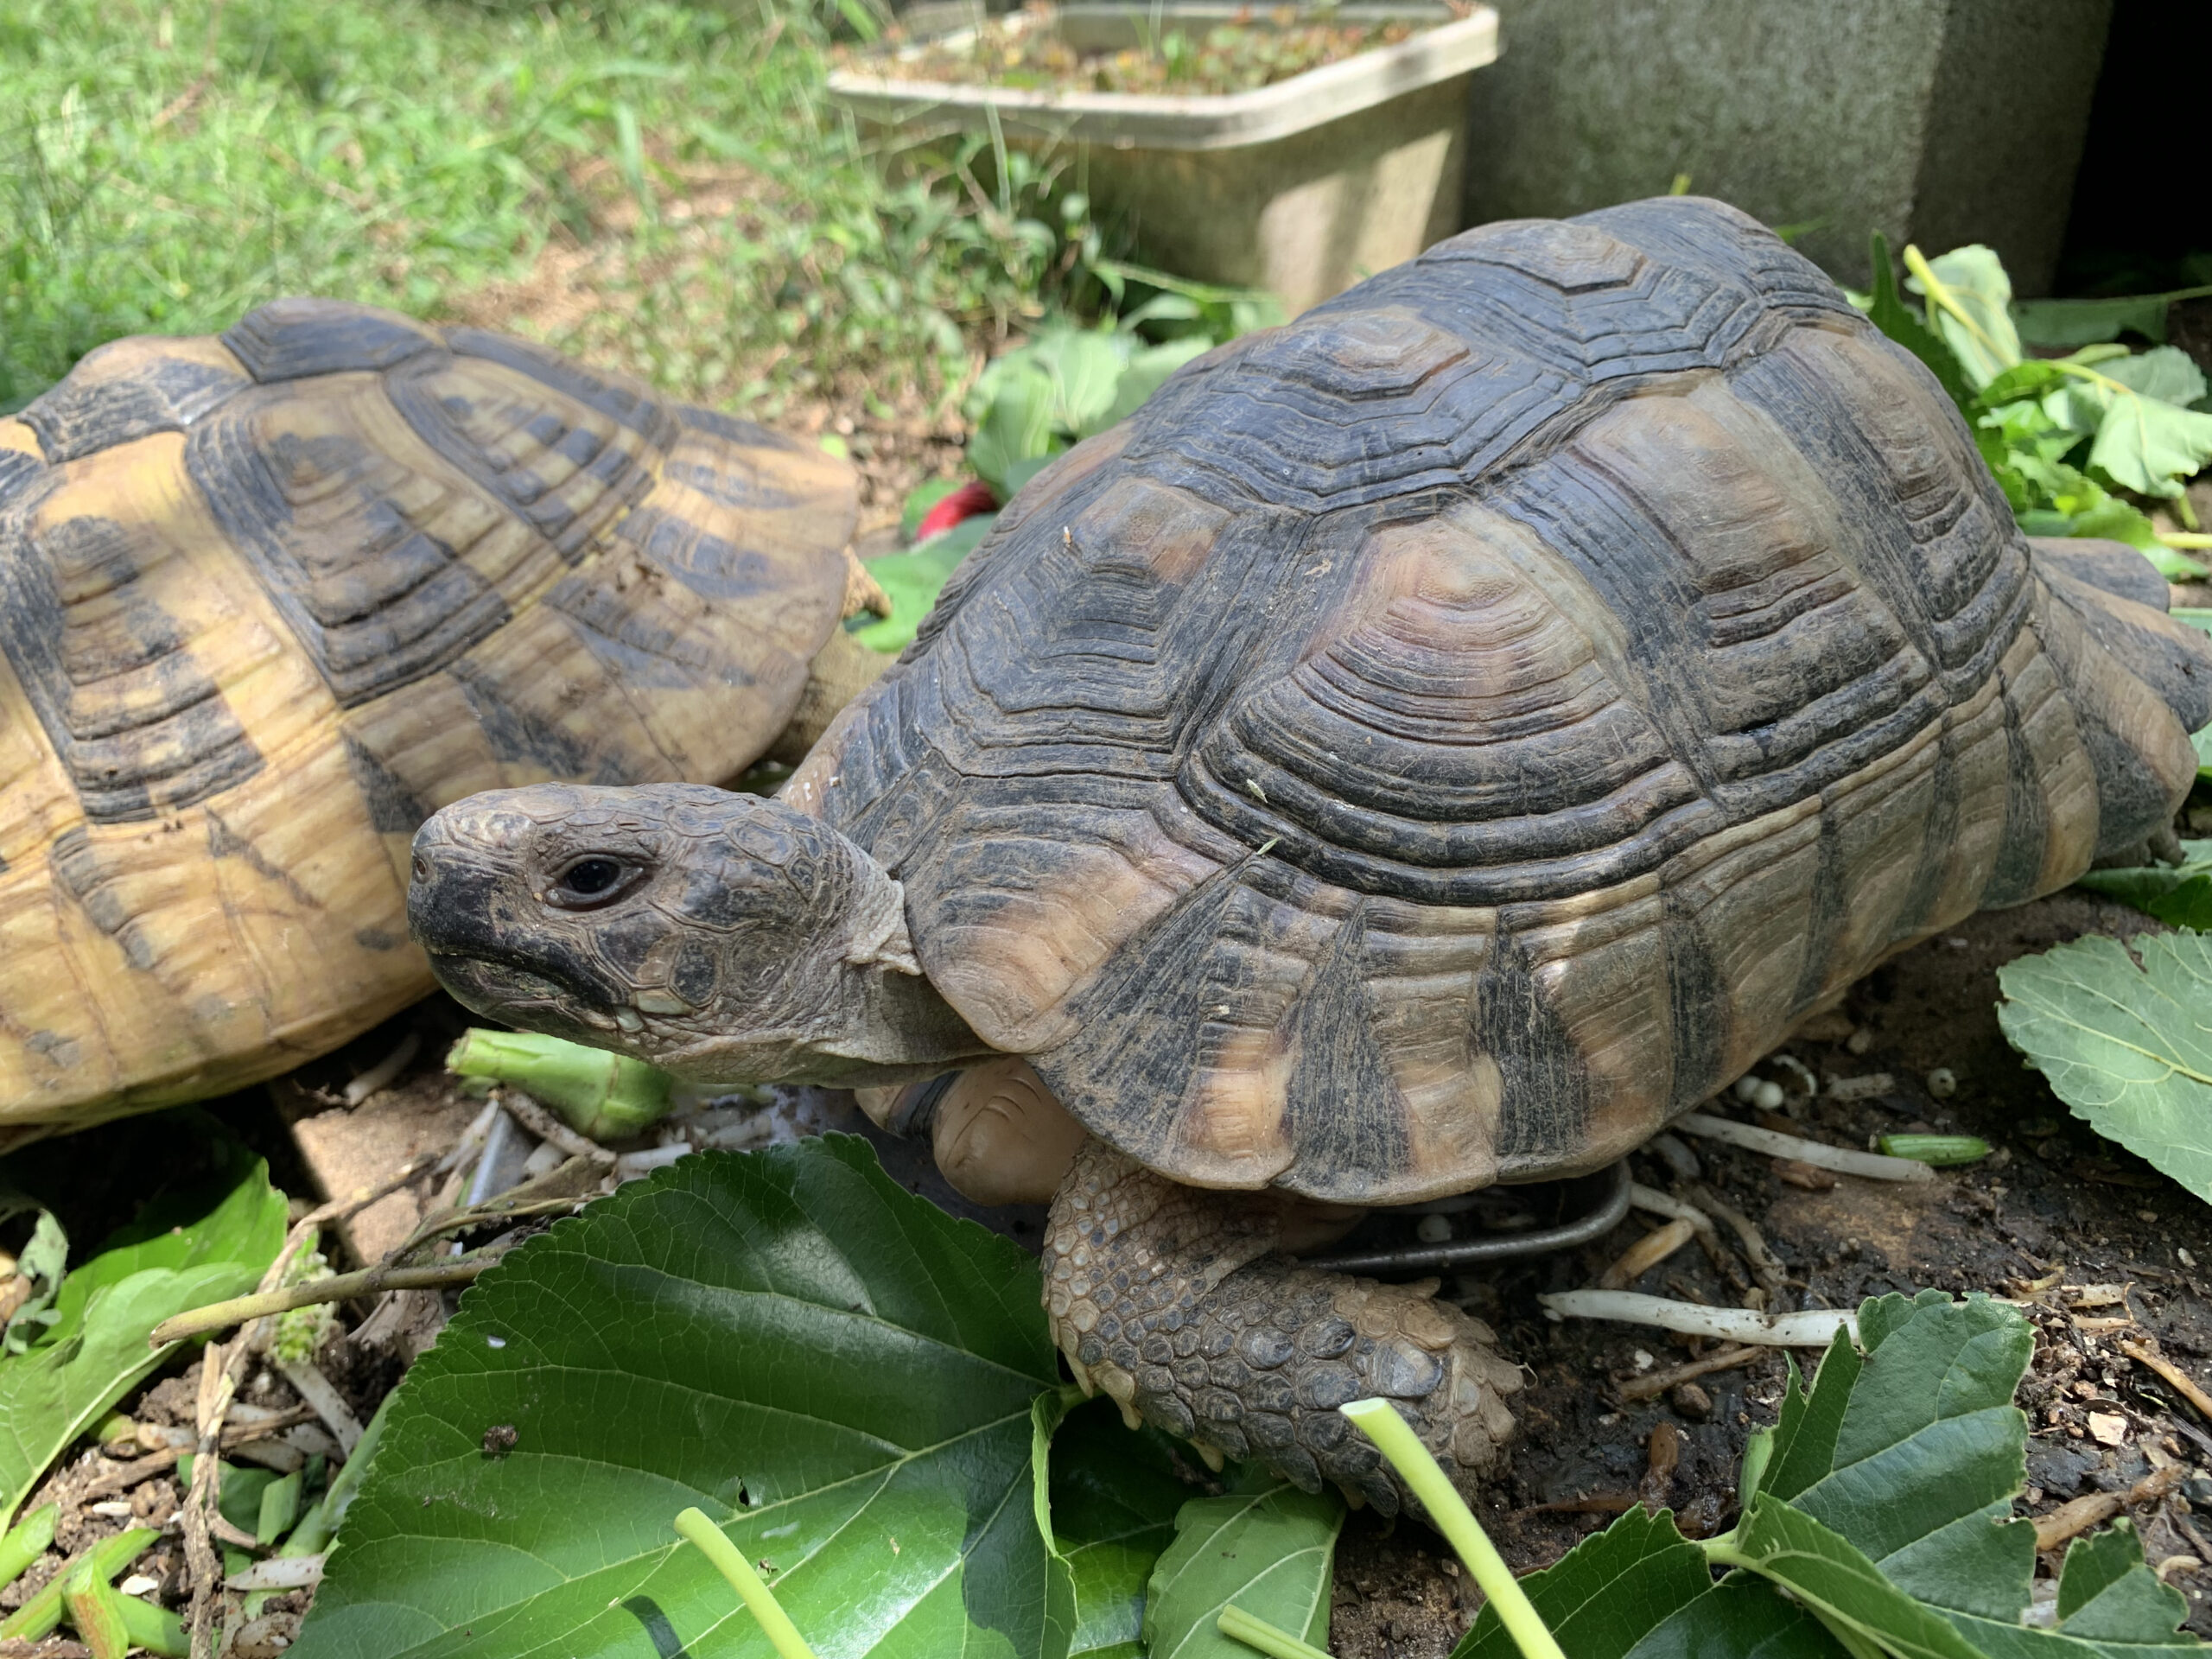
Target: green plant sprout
(729, 1561)
(1379, 1421)
(1255, 1632)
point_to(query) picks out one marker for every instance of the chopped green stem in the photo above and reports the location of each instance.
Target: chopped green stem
(1379, 1421)
(2186, 541)
(601, 1095)
(1937, 1149)
(1255, 1632)
(26, 1541)
(155, 1629)
(37, 1617)
(730, 1561)
(93, 1609)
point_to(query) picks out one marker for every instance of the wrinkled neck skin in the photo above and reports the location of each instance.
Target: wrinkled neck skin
(852, 1009)
(870, 1025)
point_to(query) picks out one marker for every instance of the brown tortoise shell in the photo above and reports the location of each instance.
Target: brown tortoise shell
(267, 600)
(1437, 741)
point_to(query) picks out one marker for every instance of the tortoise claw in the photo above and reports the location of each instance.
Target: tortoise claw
(1170, 1299)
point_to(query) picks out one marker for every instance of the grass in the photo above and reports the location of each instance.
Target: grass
(655, 184)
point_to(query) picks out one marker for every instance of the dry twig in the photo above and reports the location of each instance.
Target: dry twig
(2144, 1354)
(1646, 1254)
(2082, 1513)
(338, 1287)
(1655, 1384)
(551, 1130)
(1766, 1266)
(143, 1468)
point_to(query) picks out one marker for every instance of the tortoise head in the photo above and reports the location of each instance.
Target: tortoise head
(728, 938)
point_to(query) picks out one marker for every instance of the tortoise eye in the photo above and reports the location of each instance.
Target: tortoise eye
(592, 880)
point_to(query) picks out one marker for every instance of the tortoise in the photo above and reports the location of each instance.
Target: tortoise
(267, 599)
(1430, 744)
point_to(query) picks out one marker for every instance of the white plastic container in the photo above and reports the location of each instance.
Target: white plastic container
(1303, 187)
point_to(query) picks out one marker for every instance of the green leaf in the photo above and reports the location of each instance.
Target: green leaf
(2172, 893)
(1882, 1501)
(840, 1373)
(920, 500)
(1745, 1617)
(1905, 326)
(1846, 1591)
(2164, 372)
(1266, 1545)
(1084, 365)
(184, 1251)
(2150, 446)
(2127, 1048)
(2107, 1595)
(44, 1261)
(1931, 1413)
(2066, 324)
(1114, 1498)
(913, 580)
(1804, 1437)
(1604, 1597)
(1017, 419)
(1983, 339)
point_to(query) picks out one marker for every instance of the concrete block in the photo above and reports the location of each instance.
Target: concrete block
(1940, 122)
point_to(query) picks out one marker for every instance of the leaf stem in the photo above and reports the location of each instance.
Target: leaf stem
(729, 1561)
(1255, 1632)
(1939, 293)
(1379, 1421)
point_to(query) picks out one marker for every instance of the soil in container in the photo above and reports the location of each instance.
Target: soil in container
(1250, 50)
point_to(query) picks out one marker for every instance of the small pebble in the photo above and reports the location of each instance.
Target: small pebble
(1858, 1042)
(139, 1584)
(1434, 1229)
(115, 1509)
(1643, 1360)
(1943, 1082)
(1691, 1401)
(2186, 1260)
(1768, 1097)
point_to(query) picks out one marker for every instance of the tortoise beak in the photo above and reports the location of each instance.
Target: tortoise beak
(470, 906)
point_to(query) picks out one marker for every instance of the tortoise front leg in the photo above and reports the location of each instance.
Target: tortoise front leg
(1172, 1300)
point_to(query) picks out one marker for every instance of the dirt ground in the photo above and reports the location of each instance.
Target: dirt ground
(2053, 1199)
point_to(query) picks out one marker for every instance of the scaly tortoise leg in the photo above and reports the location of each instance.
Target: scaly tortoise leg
(1169, 1299)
